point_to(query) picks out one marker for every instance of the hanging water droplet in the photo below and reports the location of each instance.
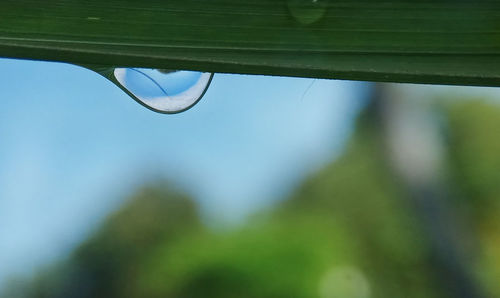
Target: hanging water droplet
(307, 12)
(162, 90)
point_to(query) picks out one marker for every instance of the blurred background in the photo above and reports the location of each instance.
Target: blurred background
(269, 187)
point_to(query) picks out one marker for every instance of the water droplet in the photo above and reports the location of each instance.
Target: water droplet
(163, 90)
(307, 12)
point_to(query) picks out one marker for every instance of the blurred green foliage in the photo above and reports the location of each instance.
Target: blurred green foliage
(347, 231)
(475, 159)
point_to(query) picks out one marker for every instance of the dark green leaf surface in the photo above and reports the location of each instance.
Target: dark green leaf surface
(441, 41)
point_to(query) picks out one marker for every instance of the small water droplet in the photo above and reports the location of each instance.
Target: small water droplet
(163, 90)
(307, 12)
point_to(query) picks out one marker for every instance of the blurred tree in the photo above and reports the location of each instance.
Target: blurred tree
(359, 191)
(104, 264)
(267, 258)
(474, 146)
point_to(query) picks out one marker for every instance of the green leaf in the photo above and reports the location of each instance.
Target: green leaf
(441, 41)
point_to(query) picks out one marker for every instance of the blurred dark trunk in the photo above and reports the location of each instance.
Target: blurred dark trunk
(416, 155)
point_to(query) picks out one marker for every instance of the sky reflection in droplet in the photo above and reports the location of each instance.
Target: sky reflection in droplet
(166, 91)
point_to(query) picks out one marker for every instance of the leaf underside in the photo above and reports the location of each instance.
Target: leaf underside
(441, 41)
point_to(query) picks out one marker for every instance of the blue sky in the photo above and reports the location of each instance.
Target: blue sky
(72, 145)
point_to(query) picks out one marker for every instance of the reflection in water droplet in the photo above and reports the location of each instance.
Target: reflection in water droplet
(163, 90)
(307, 11)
